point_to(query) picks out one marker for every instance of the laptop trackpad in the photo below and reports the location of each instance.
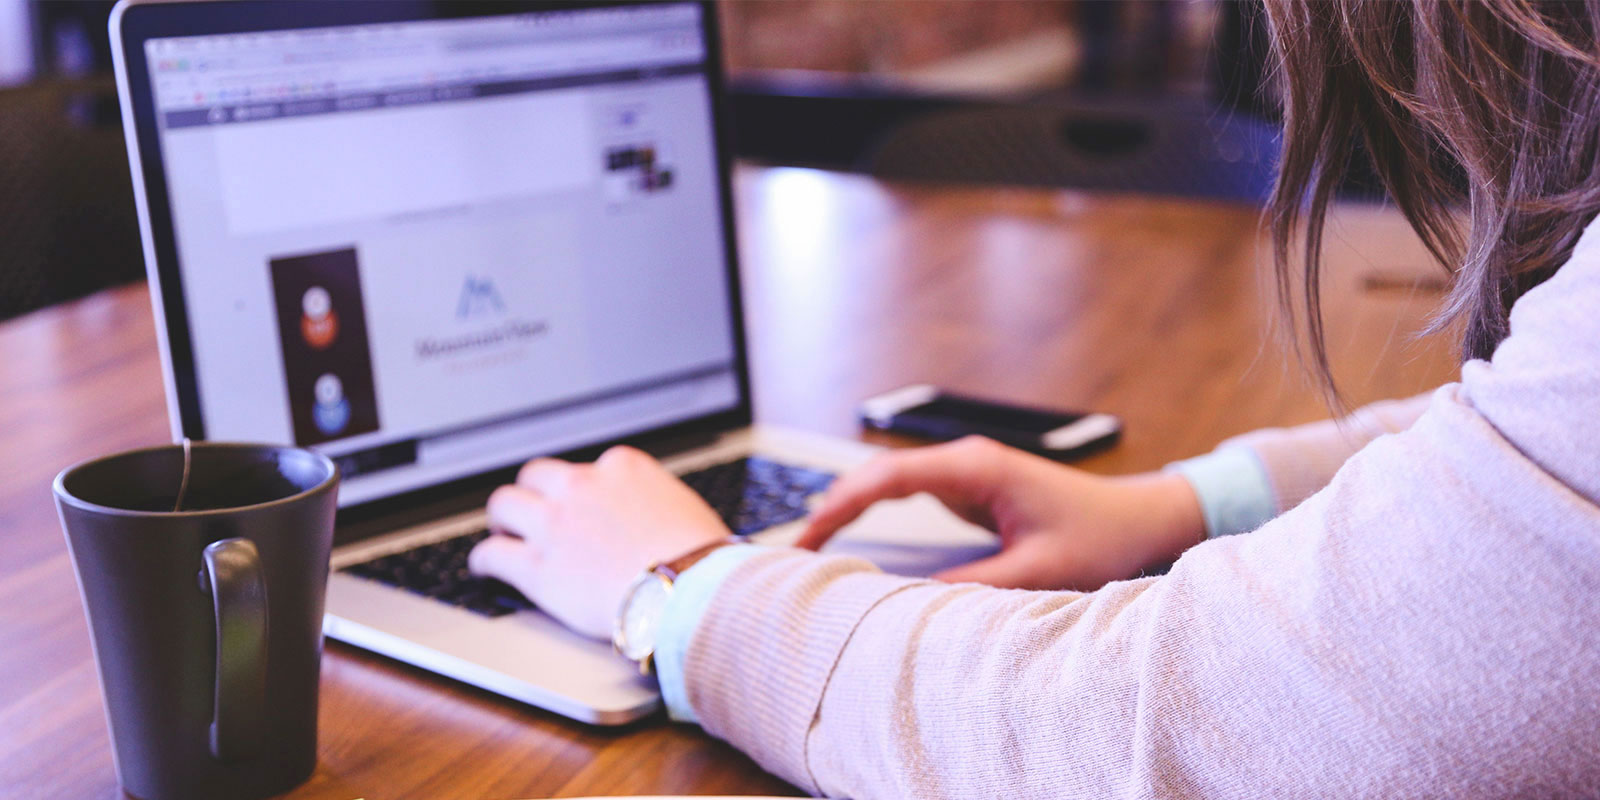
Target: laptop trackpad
(915, 561)
(916, 537)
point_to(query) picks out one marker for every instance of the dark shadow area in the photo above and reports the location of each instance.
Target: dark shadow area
(67, 221)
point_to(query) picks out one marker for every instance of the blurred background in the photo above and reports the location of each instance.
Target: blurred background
(1157, 96)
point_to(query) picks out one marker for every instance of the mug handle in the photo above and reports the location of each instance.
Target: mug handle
(232, 576)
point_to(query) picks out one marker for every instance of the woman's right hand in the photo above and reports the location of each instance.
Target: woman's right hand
(1059, 527)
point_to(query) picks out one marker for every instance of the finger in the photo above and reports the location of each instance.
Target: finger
(1007, 570)
(520, 511)
(507, 559)
(624, 456)
(547, 475)
(892, 475)
(955, 473)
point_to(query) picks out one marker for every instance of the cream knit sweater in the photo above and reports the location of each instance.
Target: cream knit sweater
(1425, 624)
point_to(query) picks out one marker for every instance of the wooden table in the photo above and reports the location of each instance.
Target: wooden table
(1149, 308)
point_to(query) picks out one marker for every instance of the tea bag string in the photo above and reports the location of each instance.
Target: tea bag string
(183, 484)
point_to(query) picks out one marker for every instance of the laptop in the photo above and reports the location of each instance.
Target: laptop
(433, 240)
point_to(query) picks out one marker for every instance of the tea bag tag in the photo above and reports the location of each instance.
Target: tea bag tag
(183, 484)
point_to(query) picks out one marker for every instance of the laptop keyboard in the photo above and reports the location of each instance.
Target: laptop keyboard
(439, 570)
(750, 494)
(754, 494)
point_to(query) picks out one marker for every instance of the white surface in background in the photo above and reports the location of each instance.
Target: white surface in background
(1044, 59)
(16, 51)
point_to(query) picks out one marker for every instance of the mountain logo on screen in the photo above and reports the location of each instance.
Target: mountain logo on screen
(478, 297)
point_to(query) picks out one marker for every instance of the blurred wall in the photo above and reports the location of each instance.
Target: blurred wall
(976, 45)
(881, 36)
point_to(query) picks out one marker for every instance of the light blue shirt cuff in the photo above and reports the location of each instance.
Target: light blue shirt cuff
(1234, 490)
(691, 596)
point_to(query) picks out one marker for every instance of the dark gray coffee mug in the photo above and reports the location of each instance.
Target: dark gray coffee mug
(206, 622)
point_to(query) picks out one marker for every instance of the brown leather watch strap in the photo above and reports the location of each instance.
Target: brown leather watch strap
(677, 566)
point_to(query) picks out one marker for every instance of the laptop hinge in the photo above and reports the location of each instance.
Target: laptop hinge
(366, 525)
(664, 447)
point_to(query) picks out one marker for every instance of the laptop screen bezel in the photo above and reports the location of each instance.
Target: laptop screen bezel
(134, 23)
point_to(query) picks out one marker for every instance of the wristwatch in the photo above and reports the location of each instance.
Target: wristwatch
(639, 619)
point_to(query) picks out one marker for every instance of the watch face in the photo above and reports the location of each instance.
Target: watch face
(641, 616)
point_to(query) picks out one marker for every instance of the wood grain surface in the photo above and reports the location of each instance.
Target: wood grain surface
(1148, 308)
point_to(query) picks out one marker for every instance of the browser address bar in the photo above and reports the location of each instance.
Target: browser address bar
(662, 46)
(385, 67)
(530, 60)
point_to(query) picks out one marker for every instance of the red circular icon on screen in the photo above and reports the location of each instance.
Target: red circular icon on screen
(318, 324)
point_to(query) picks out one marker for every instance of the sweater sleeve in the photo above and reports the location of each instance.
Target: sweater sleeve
(1232, 486)
(1422, 626)
(1252, 478)
(1299, 461)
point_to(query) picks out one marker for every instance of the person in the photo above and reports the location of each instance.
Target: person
(1411, 606)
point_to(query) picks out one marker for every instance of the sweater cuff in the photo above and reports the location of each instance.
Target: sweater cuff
(691, 596)
(1233, 487)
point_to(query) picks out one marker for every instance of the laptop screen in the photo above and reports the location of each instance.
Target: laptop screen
(435, 248)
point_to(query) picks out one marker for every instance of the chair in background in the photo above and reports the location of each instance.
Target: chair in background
(1164, 98)
(1189, 149)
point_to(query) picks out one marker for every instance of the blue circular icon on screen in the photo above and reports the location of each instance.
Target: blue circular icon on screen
(332, 410)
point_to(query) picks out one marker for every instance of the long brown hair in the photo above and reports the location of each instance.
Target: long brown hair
(1505, 93)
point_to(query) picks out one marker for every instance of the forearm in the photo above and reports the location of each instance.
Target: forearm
(1249, 479)
(1315, 654)
(1421, 626)
(851, 683)
(1300, 460)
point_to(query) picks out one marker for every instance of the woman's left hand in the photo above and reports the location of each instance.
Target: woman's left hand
(572, 537)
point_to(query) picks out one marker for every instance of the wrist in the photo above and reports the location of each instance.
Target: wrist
(1232, 487)
(1174, 516)
(675, 567)
(638, 620)
(691, 601)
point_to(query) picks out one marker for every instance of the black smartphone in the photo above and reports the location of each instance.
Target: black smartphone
(933, 413)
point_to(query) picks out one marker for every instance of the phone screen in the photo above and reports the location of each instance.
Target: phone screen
(984, 415)
(923, 411)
